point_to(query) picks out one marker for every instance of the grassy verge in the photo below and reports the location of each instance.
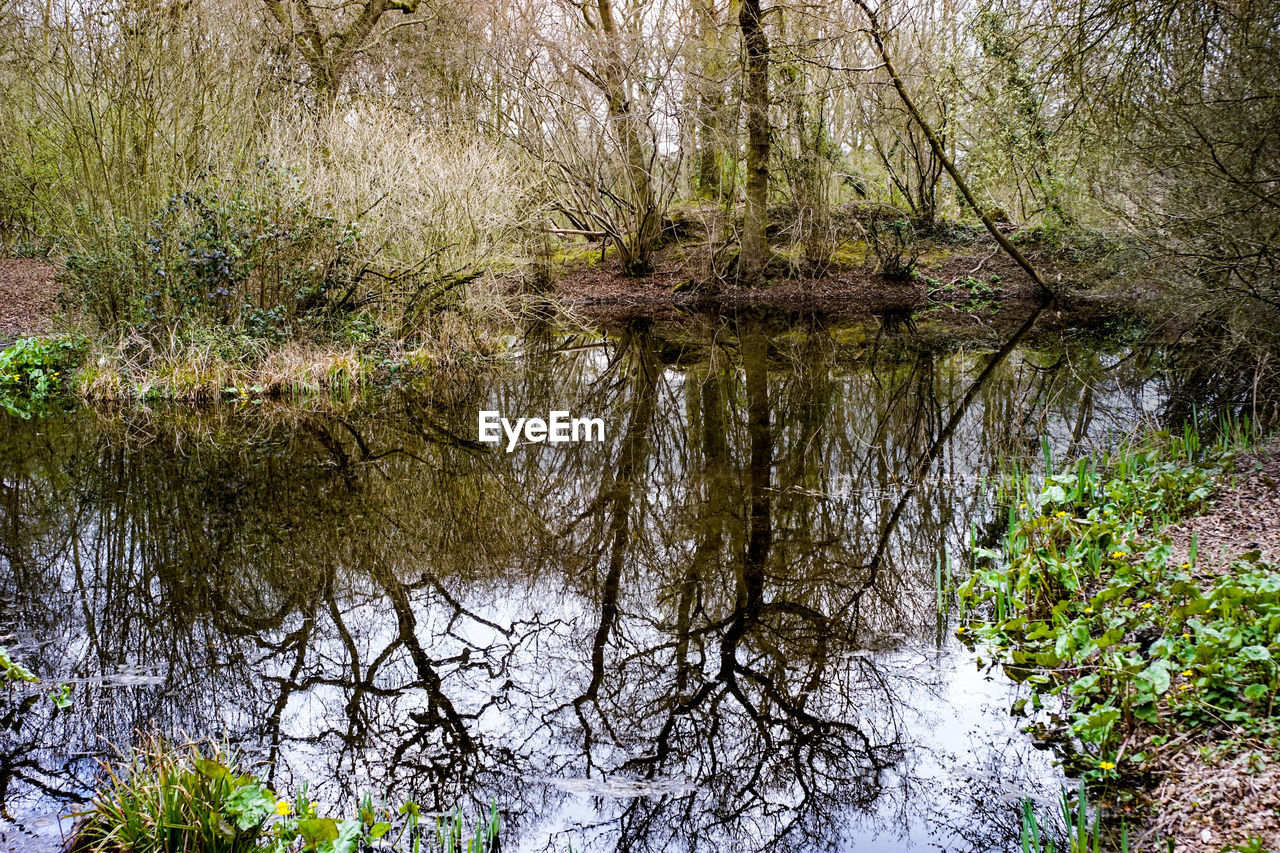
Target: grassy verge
(203, 371)
(1147, 657)
(36, 372)
(165, 798)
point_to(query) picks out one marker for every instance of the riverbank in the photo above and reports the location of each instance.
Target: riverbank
(1140, 590)
(961, 293)
(1220, 786)
(959, 278)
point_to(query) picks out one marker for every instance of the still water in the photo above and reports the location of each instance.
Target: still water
(729, 626)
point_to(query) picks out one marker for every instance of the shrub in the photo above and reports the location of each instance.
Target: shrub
(246, 253)
(893, 241)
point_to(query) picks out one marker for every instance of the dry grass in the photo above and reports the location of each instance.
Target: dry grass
(133, 368)
(222, 366)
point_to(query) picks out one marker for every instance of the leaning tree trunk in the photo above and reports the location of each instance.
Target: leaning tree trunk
(755, 247)
(877, 37)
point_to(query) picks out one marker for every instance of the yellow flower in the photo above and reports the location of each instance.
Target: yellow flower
(283, 808)
(1106, 765)
(1061, 514)
(1088, 610)
(960, 630)
(1146, 604)
(1184, 686)
(1187, 673)
(1186, 636)
(1118, 554)
(1186, 565)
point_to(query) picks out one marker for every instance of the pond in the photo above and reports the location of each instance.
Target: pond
(728, 626)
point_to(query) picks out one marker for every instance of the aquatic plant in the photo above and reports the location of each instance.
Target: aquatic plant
(11, 670)
(167, 798)
(1080, 836)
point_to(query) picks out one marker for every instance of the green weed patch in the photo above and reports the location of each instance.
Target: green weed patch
(1082, 601)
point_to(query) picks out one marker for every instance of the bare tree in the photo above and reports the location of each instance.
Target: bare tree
(329, 54)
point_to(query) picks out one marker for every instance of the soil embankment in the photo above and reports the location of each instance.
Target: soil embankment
(969, 292)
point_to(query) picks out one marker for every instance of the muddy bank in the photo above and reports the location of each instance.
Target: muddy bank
(971, 292)
(960, 293)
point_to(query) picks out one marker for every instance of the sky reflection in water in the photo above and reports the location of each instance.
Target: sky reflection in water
(718, 629)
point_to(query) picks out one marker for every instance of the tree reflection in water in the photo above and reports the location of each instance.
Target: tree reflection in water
(718, 629)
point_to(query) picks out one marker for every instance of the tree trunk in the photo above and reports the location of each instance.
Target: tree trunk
(708, 122)
(754, 254)
(637, 256)
(329, 57)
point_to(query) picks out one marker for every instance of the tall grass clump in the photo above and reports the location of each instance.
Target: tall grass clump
(1080, 836)
(183, 798)
(166, 798)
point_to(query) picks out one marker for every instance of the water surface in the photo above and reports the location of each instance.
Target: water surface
(729, 626)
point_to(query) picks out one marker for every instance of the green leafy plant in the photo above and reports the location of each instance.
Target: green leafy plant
(1083, 601)
(181, 798)
(11, 670)
(31, 372)
(165, 799)
(61, 698)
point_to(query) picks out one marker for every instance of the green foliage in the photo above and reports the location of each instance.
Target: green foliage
(167, 799)
(248, 253)
(61, 698)
(180, 799)
(23, 179)
(11, 670)
(1084, 602)
(31, 372)
(971, 295)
